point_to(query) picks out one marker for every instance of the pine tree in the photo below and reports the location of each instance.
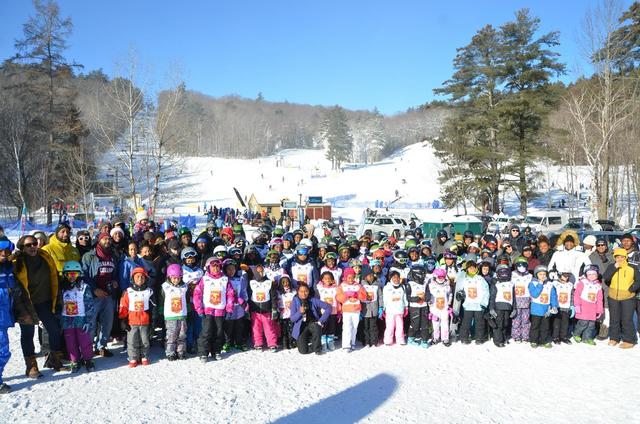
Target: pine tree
(336, 136)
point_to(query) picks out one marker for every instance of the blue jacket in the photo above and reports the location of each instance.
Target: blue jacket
(538, 309)
(124, 271)
(320, 310)
(7, 286)
(90, 265)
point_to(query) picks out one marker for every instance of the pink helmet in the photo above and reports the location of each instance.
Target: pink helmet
(174, 270)
(439, 273)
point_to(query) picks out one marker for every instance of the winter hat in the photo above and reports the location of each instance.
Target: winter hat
(366, 270)
(619, 251)
(102, 235)
(116, 230)
(392, 273)
(624, 236)
(142, 216)
(62, 226)
(348, 272)
(589, 240)
(138, 270)
(173, 244)
(569, 238)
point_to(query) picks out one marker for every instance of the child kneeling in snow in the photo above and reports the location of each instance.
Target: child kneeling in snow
(350, 293)
(263, 305)
(77, 316)
(588, 304)
(308, 316)
(174, 307)
(135, 313)
(439, 306)
(394, 308)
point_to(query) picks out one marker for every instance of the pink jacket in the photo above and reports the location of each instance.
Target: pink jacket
(591, 306)
(198, 301)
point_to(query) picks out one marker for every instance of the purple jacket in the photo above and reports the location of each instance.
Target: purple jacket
(198, 300)
(320, 310)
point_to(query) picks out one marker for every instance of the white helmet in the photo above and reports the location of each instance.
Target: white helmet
(219, 249)
(306, 242)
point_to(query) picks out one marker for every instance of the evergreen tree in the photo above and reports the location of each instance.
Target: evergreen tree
(336, 136)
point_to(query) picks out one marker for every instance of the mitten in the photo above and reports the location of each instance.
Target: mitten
(124, 325)
(573, 312)
(380, 312)
(274, 315)
(493, 313)
(461, 296)
(513, 314)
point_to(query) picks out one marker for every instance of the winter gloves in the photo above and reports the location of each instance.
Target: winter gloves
(274, 315)
(124, 325)
(513, 314)
(493, 314)
(380, 313)
(461, 296)
(573, 312)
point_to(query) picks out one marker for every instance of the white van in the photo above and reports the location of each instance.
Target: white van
(546, 221)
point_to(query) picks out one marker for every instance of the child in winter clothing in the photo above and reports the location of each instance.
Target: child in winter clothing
(588, 304)
(521, 325)
(502, 304)
(308, 316)
(330, 260)
(439, 306)
(566, 311)
(135, 312)
(349, 294)
(234, 324)
(191, 275)
(263, 304)
(326, 291)
(419, 297)
(544, 303)
(10, 294)
(394, 308)
(285, 296)
(77, 316)
(212, 298)
(173, 296)
(370, 306)
(473, 291)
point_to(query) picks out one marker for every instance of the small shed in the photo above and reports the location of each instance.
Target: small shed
(271, 207)
(317, 211)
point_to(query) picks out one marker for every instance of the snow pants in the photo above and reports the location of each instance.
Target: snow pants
(521, 325)
(310, 334)
(394, 324)
(350, 322)
(261, 323)
(194, 326)
(440, 323)
(285, 331)
(584, 329)
(176, 336)
(138, 342)
(234, 330)
(370, 331)
(212, 335)
(465, 328)
(561, 325)
(419, 323)
(79, 344)
(539, 333)
(5, 353)
(621, 320)
(502, 324)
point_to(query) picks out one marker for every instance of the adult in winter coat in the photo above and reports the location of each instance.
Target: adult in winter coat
(516, 239)
(308, 315)
(567, 258)
(100, 270)
(544, 253)
(60, 248)
(623, 281)
(37, 273)
(602, 258)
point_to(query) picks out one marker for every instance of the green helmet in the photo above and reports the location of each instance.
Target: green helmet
(237, 229)
(273, 252)
(343, 247)
(184, 230)
(521, 260)
(278, 231)
(410, 243)
(331, 255)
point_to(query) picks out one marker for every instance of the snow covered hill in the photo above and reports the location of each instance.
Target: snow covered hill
(398, 384)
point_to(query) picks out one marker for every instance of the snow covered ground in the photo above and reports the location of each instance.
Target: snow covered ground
(398, 384)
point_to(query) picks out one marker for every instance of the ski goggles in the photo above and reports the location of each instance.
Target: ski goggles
(188, 255)
(72, 274)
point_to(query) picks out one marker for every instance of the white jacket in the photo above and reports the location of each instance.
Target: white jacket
(569, 261)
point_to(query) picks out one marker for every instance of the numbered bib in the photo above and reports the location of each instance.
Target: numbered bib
(472, 292)
(440, 303)
(176, 304)
(506, 295)
(519, 291)
(215, 297)
(71, 308)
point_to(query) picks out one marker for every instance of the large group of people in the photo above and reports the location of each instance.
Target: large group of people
(207, 293)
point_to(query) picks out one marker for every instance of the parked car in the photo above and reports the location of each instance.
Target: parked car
(546, 221)
(608, 225)
(390, 224)
(500, 223)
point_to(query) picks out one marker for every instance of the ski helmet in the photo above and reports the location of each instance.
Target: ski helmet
(174, 270)
(400, 256)
(503, 272)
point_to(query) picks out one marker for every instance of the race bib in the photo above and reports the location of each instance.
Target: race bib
(71, 308)
(138, 305)
(519, 291)
(544, 298)
(563, 298)
(260, 296)
(591, 297)
(176, 304)
(506, 296)
(472, 292)
(440, 302)
(302, 278)
(215, 298)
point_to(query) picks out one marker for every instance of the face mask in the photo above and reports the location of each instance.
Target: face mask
(472, 274)
(521, 268)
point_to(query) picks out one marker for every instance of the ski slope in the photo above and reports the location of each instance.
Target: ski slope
(397, 384)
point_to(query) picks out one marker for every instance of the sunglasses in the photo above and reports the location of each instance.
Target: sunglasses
(30, 244)
(601, 245)
(72, 274)
(83, 238)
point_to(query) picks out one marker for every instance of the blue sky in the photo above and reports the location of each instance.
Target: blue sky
(359, 54)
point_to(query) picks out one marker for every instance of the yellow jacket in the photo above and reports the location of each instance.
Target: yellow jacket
(621, 281)
(61, 252)
(21, 275)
